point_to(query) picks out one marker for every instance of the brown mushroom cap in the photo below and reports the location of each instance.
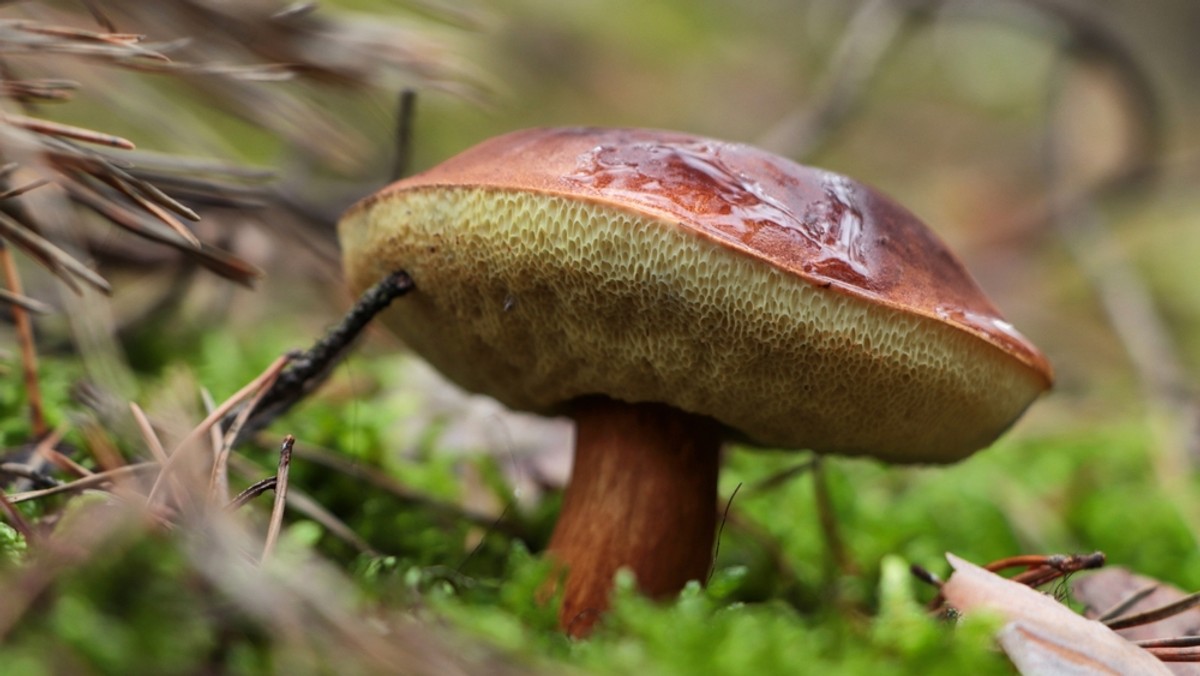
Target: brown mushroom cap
(794, 305)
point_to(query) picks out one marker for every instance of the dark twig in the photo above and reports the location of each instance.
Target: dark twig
(1174, 642)
(1128, 602)
(405, 113)
(829, 523)
(1186, 603)
(1176, 654)
(721, 530)
(308, 370)
(780, 478)
(925, 575)
(252, 491)
(479, 545)
(281, 481)
(1037, 576)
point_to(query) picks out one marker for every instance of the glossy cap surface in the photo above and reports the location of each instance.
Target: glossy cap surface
(794, 305)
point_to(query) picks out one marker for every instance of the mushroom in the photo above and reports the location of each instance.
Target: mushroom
(670, 292)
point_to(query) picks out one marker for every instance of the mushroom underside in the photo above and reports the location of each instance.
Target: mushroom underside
(586, 299)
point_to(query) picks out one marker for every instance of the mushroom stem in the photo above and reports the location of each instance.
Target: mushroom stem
(642, 496)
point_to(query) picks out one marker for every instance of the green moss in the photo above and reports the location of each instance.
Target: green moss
(778, 597)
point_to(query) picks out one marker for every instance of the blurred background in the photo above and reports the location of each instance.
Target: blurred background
(1051, 143)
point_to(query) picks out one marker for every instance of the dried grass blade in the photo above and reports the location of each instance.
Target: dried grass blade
(63, 265)
(82, 34)
(281, 481)
(383, 481)
(155, 210)
(73, 40)
(93, 481)
(272, 72)
(301, 502)
(214, 432)
(308, 506)
(147, 430)
(26, 303)
(252, 491)
(24, 328)
(164, 216)
(218, 485)
(221, 262)
(91, 197)
(22, 189)
(207, 191)
(101, 446)
(150, 165)
(68, 131)
(46, 449)
(157, 450)
(14, 517)
(45, 90)
(129, 184)
(152, 192)
(217, 414)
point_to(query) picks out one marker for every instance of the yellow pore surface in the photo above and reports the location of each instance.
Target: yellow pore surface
(539, 299)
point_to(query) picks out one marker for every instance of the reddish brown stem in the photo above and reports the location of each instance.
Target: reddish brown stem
(25, 336)
(642, 496)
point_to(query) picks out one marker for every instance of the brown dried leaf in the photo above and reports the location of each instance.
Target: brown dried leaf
(1042, 636)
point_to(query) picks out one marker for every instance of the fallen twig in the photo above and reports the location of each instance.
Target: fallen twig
(309, 369)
